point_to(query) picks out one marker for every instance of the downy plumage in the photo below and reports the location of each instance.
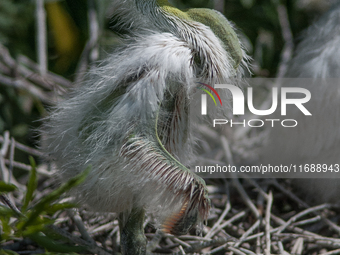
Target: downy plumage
(129, 120)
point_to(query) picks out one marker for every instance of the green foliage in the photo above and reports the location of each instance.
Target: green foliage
(6, 187)
(35, 217)
(7, 252)
(31, 185)
(16, 24)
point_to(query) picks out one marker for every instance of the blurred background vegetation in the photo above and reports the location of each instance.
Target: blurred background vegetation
(78, 34)
(68, 33)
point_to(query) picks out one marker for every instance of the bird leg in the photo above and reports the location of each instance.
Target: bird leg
(132, 238)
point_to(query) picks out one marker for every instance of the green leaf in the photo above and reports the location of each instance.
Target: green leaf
(4, 211)
(57, 207)
(46, 201)
(31, 185)
(52, 245)
(6, 228)
(8, 252)
(6, 187)
(40, 225)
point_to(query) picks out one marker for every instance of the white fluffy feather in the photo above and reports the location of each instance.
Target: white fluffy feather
(110, 121)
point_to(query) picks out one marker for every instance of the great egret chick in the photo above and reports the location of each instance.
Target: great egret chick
(129, 119)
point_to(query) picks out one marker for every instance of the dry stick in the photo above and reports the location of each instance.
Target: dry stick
(221, 218)
(195, 247)
(82, 63)
(282, 251)
(28, 80)
(103, 227)
(288, 193)
(337, 251)
(298, 246)
(236, 229)
(303, 213)
(11, 159)
(236, 182)
(268, 212)
(90, 52)
(274, 247)
(47, 81)
(92, 247)
(115, 230)
(241, 191)
(194, 238)
(6, 57)
(25, 148)
(169, 246)
(4, 69)
(5, 144)
(23, 78)
(247, 233)
(93, 30)
(247, 251)
(236, 251)
(11, 178)
(182, 252)
(41, 36)
(258, 245)
(304, 204)
(10, 204)
(180, 242)
(80, 225)
(292, 228)
(287, 35)
(244, 240)
(36, 78)
(220, 248)
(308, 221)
(259, 189)
(332, 242)
(25, 167)
(154, 241)
(232, 219)
(331, 224)
(255, 236)
(49, 77)
(230, 244)
(26, 85)
(4, 175)
(106, 227)
(259, 235)
(245, 197)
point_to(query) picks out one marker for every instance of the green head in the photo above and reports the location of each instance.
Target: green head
(215, 21)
